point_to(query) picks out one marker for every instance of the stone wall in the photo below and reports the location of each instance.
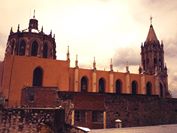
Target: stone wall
(133, 110)
(35, 120)
(140, 110)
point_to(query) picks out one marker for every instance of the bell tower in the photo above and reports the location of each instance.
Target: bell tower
(31, 42)
(152, 60)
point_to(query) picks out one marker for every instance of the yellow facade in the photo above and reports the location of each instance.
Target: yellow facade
(18, 73)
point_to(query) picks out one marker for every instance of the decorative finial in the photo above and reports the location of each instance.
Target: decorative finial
(165, 66)
(42, 29)
(111, 66)
(68, 58)
(11, 31)
(34, 14)
(51, 33)
(127, 68)
(94, 64)
(140, 69)
(150, 20)
(76, 62)
(18, 29)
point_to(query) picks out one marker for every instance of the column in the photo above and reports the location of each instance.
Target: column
(94, 81)
(76, 80)
(72, 118)
(142, 87)
(127, 89)
(111, 82)
(104, 119)
(157, 87)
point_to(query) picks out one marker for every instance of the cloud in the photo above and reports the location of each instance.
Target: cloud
(171, 48)
(124, 55)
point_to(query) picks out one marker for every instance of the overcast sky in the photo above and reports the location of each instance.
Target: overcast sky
(102, 28)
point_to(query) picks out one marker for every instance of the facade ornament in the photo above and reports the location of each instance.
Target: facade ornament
(76, 62)
(94, 64)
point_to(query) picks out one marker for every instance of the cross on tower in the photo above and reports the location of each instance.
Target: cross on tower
(151, 20)
(34, 14)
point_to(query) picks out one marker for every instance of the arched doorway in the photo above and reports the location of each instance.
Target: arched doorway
(45, 51)
(22, 48)
(34, 49)
(134, 87)
(84, 84)
(161, 90)
(118, 87)
(149, 89)
(101, 85)
(37, 76)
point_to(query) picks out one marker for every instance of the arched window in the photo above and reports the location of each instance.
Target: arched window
(149, 89)
(12, 46)
(84, 84)
(101, 85)
(161, 90)
(22, 48)
(134, 87)
(147, 61)
(155, 61)
(118, 87)
(45, 51)
(16, 48)
(34, 49)
(37, 76)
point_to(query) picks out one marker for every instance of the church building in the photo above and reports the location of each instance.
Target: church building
(30, 62)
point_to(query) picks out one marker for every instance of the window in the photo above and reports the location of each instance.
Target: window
(161, 90)
(12, 47)
(97, 116)
(37, 76)
(155, 61)
(134, 87)
(34, 49)
(45, 51)
(79, 116)
(22, 48)
(84, 84)
(16, 48)
(118, 87)
(30, 95)
(149, 89)
(101, 85)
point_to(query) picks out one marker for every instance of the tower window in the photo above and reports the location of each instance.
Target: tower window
(37, 76)
(22, 48)
(45, 50)
(134, 87)
(79, 116)
(101, 85)
(147, 61)
(84, 84)
(161, 90)
(34, 49)
(12, 46)
(149, 89)
(118, 87)
(155, 61)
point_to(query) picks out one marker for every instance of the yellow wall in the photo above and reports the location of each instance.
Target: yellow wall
(55, 73)
(18, 73)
